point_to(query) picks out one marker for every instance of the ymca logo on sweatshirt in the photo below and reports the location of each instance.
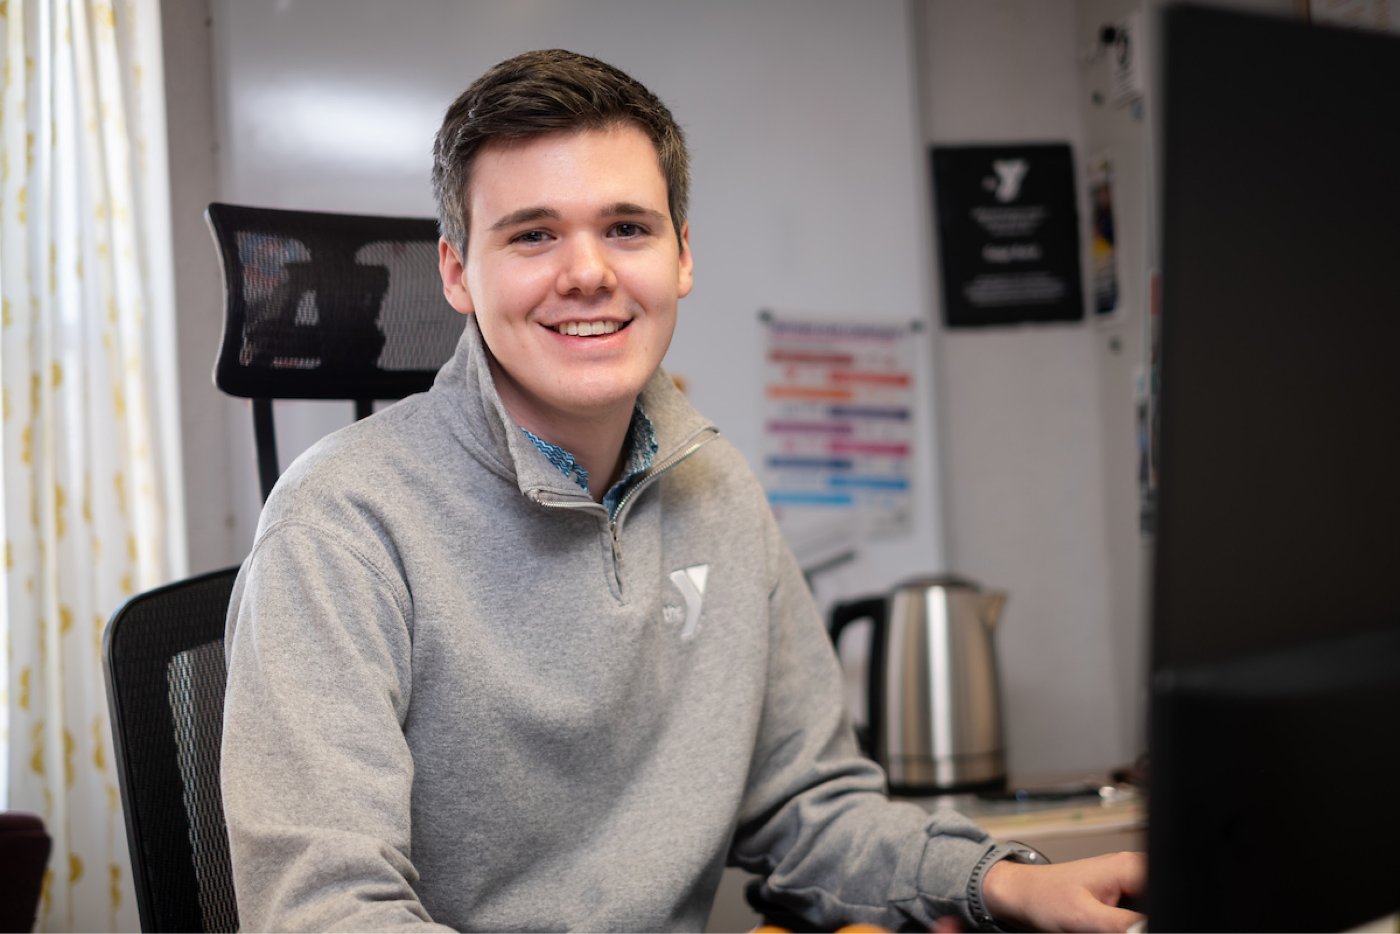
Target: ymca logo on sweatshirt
(690, 582)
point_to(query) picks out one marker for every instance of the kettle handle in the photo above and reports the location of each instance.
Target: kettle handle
(873, 609)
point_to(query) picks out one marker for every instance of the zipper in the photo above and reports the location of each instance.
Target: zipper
(699, 440)
(705, 436)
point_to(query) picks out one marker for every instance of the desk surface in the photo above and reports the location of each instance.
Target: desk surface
(1123, 810)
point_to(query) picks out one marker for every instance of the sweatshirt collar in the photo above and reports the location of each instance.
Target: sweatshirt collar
(479, 420)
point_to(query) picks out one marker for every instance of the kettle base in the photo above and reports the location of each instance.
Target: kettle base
(920, 775)
(902, 790)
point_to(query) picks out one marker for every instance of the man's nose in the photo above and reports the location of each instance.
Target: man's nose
(586, 268)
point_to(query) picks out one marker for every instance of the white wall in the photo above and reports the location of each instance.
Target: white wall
(205, 415)
(808, 192)
(1037, 423)
(1121, 133)
(808, 122)
(1019, 407)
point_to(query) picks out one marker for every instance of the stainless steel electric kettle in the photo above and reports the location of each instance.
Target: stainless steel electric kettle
(934, 696)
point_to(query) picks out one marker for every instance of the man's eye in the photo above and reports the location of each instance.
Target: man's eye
(626, 229)
(530, 236)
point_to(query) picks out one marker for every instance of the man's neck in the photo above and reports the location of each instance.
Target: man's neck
(596, 441)
(597, 444)
(598, 447)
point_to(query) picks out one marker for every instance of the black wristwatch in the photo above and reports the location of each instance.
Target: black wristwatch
(1012, 850)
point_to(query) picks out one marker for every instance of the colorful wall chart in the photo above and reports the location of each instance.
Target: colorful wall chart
(838, 431)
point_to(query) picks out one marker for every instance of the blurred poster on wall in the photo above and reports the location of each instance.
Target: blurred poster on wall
(1149, 391)
(838, 431)
(1008, 231)
(1103, 238)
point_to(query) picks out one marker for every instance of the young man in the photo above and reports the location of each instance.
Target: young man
(527, 651)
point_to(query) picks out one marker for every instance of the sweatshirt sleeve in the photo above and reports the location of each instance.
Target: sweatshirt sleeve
(316, 771)
(816, 823)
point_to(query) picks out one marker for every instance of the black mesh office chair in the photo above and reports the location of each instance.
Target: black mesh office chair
(163, 657)
(317, 306)
(327, 306)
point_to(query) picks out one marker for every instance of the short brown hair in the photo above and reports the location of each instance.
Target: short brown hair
(548, 91)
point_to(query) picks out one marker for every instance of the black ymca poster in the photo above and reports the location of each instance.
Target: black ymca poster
(1008, 232)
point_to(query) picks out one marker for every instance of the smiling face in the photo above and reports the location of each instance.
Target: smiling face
(573, 270)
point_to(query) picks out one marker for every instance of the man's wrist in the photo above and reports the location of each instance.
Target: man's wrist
(987, 903)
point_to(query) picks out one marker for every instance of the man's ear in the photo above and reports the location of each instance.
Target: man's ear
(454, 278)
(687, 263)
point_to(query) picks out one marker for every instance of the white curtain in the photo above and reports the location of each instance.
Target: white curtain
(92, 507)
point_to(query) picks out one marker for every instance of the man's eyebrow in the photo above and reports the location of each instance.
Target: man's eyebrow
(538, 213)
(525, 216)
(628, 209)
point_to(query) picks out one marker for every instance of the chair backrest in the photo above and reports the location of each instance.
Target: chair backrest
(327, 306)
(163, 657)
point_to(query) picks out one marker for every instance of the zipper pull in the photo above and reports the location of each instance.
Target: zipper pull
(617, 553)
(617, 546)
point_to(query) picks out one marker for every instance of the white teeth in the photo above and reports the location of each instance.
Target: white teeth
(588, 328)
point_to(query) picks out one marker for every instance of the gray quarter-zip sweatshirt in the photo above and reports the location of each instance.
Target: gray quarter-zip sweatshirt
(460, 695)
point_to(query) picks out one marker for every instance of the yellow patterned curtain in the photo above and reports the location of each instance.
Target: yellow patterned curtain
(91, 511)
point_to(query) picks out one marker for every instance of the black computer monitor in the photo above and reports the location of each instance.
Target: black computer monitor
(1274, 790)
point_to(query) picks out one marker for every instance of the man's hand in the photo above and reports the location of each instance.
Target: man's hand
(1082, 895)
